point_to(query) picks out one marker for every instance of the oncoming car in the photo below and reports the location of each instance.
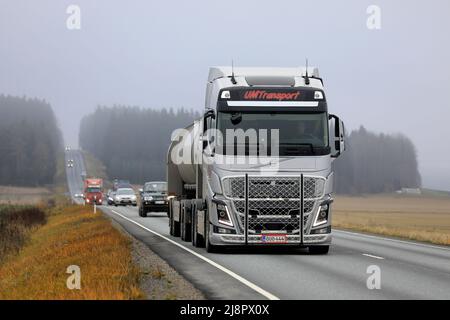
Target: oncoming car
(153, 198)
(125, 196)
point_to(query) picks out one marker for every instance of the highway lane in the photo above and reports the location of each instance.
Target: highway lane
(74, 179)
(408, 270)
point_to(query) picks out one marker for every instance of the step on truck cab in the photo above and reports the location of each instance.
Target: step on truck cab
(255, 169)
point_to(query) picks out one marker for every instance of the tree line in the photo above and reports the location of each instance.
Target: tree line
(376, 163)
(132, 142)
(29, 141)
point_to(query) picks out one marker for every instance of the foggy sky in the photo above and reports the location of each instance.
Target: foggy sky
(157, 54)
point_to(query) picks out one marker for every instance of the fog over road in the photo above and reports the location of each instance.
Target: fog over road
(408, 270)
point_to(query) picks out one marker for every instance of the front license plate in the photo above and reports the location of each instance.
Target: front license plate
(159, 202)
(274, 238)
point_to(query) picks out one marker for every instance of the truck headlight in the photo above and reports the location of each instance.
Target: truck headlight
(223, 215)
(322, 215)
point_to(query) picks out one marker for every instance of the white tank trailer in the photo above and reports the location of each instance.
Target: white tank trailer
(255, 169)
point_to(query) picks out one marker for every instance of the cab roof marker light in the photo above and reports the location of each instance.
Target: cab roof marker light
(318, 95)
(225, 94)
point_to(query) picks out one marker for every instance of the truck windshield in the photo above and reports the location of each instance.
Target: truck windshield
(155, 187)
(93, 189)
(299, 133)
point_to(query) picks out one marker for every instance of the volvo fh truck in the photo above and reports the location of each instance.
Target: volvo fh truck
(256, 168)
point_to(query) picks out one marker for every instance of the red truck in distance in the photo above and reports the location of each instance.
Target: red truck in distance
(93, 191)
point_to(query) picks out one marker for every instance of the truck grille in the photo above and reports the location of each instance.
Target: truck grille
(274, 202)
(273, 187)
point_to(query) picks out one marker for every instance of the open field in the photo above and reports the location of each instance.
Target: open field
(23, 195)
(72, 236)
(422, 218)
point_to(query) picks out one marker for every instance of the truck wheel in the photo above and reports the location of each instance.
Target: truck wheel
(174, 227)
(186, 209)
(197, 239)
(319, 249)
(209, 247)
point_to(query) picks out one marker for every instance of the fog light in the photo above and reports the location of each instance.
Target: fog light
(321, 230)
(224, 231)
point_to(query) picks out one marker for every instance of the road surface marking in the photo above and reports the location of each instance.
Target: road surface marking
(393, 240)
(372, 256)
(214, 264)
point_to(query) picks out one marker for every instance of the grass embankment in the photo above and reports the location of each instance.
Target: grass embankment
(422, 218)
(15, 225)
(72, 236)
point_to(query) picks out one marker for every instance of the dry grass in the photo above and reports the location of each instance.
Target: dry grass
(16, 223)
(421, 218)
(72, 236)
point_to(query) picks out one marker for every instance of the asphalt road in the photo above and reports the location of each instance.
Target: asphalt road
(407, 270)
(74, 178)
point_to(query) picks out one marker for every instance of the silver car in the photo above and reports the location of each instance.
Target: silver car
(124, 197)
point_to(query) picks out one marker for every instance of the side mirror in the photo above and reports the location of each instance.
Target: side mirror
(337, 136)
(207, 118)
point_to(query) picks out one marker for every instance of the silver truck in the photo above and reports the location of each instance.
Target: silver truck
(256, 168)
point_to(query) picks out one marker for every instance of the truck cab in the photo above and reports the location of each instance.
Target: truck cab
(93, 191)
(259, 165)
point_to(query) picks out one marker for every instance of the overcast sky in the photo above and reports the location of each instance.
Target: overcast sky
(157, 53)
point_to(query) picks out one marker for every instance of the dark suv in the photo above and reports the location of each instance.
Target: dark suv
(153, 198)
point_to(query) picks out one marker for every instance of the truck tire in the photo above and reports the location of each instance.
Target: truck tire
(186, 218)
(209, 247)
(319, 249)
(197, 239)
(174, 227)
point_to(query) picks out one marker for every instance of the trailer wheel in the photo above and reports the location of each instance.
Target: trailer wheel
(174, 227)
(185, 223)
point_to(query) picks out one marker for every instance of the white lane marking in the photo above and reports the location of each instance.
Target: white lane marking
(214, 264)
(392, 240)
(372, 256)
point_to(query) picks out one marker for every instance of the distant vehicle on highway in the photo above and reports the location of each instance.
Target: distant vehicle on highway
(153, 198)
(121, 184)
(124, 197)
(67, 148)
(70, 163)
(110, 197)
(93, 192)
